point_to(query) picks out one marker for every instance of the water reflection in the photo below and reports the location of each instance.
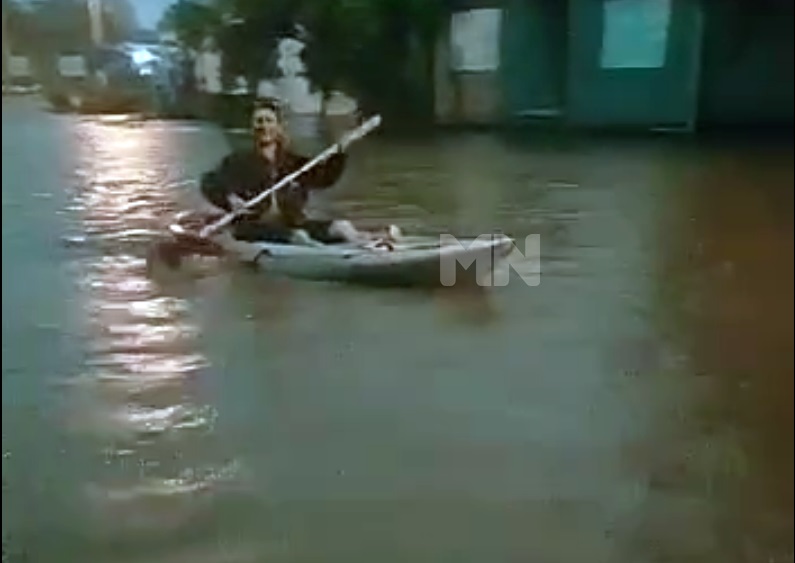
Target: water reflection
(720, 468)
(140, 398)
(634, 407)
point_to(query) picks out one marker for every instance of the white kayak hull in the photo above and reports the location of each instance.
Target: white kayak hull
(407, 261)
(412, 261)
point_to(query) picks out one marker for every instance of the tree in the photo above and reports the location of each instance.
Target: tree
(380, 51)
(19, 26)
(383, 50)
(192, 22)
(47, 27)
(249, 36)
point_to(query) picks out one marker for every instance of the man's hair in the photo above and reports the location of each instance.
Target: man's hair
(270, 103)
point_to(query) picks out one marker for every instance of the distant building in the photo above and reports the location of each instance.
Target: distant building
(636, 63)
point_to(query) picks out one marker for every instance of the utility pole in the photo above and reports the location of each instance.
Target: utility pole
(6, 47)
(95, 16)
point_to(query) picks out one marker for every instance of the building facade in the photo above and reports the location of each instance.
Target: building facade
(672, 64)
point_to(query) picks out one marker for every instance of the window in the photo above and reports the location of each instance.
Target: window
(475, 40)
(635, 33)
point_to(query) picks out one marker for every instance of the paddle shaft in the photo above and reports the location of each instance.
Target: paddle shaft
(354, 135)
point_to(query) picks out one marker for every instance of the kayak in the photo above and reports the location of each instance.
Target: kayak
(405, 261)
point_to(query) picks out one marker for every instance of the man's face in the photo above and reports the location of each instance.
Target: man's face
(266, 125)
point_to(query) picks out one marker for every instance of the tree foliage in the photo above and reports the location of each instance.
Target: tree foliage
(250, 34)
(46, 27)
(191, 21)
(380, 51)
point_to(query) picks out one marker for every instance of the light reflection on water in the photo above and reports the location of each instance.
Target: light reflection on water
(140, 398)
(635, 407)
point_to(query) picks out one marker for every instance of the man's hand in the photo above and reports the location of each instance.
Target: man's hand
(238, 204)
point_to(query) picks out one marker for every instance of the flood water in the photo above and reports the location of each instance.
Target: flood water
(636, 406)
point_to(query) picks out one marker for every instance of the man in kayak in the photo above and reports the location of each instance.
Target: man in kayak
(281, 217)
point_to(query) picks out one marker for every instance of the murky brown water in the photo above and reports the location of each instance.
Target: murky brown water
(636, 406)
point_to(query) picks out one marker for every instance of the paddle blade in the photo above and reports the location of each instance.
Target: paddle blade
(193, 243)
(180, 243)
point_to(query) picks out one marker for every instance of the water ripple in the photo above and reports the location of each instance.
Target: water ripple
(136, 395)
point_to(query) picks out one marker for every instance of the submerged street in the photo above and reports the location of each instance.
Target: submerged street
(636, 406)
